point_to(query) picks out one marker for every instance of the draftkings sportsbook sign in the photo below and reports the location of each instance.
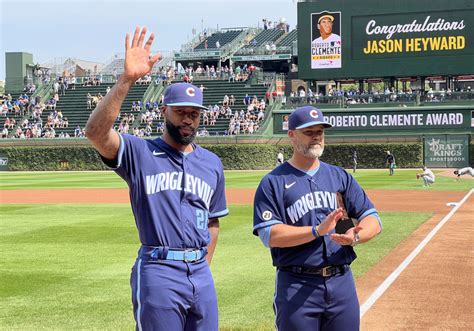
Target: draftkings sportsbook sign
(413, 34)
(446, 151)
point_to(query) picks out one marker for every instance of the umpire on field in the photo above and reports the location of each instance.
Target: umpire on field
(177, 195)
(297, 215)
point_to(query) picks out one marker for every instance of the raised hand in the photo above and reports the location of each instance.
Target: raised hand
(138, 58)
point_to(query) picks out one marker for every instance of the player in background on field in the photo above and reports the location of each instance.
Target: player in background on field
(280, 157)
(296, 215)
(354, 161)
(464, 171)
(390, 159)
(427, 175)
(177, 195)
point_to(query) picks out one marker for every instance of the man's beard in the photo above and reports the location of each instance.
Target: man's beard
(173, 131)
(312, 152)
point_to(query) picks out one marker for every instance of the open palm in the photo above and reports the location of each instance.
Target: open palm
(138, 59)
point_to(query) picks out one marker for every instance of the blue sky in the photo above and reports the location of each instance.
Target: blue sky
(95, 30)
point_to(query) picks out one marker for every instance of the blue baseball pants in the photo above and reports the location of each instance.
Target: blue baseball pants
(311, 302)
(173, 295)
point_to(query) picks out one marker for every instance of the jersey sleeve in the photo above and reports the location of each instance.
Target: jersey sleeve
(218, 205)
(124, 164)
(266, 210)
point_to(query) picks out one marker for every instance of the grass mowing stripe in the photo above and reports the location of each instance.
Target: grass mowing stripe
(368, 179)
(67, 266)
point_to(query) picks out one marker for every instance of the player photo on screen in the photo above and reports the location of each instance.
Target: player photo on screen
(326, 43)
(284, 123)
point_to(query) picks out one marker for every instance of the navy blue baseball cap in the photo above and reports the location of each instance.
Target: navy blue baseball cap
(303, 117)
(183, 94)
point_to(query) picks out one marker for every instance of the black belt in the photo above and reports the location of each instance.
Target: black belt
(324, 272)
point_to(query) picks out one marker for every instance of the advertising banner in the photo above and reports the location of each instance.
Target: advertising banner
(451, 151)
(417, 121)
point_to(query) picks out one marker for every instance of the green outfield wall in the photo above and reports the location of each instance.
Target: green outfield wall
(234, 157)
(446, 132)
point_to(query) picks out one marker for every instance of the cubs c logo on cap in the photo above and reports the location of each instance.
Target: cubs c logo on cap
(190, 91)
(313, 113)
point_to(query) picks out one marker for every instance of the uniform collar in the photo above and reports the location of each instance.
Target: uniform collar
(159, 142)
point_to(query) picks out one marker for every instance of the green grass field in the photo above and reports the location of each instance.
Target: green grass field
(67, 267)
(404, 179)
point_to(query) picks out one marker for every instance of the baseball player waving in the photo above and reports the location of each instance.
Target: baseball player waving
(296, 214)
(177, 195)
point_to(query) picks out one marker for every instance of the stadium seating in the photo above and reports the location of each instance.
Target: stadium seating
(223, 38)
(114, 66)
(265, 36)
(288, 39)
(214, 92)
(73, 105)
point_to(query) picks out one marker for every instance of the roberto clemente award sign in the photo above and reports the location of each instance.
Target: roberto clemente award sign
(326, 44)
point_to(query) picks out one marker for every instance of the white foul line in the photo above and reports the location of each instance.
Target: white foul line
(394, 275)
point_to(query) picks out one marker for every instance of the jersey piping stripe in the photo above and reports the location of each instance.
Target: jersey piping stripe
(119, 155)
(266, 224)
(219, 214)
(372, 212)
(274, 299)
(367, 213)
(139, 303)
(120, 151)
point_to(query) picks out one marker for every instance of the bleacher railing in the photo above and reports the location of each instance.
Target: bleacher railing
(389, 98)
(153, 92)
(196, 40)
(273, 104)
(237, 43)
(265, 49)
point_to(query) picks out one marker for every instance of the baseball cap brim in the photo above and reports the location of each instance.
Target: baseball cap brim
(325, 124)
(189, 104)
(326, 16)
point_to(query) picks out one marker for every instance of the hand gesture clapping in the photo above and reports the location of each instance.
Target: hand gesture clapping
(330, 222)
(346, 238)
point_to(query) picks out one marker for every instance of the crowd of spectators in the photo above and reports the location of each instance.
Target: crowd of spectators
(95, 80)
(145, 80)
(23, 116)
(229, 73)
(281, 24)
(92, 100)
(37, 125)
(389, 95)
(40, 74)
(246, 121)
(165, 75)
